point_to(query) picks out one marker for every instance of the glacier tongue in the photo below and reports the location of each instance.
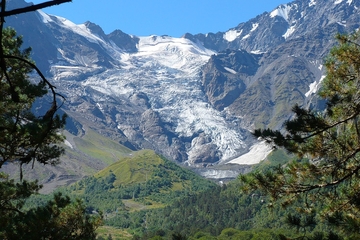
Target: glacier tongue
(167, 70)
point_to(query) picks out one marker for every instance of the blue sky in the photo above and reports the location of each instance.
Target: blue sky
(159, 17)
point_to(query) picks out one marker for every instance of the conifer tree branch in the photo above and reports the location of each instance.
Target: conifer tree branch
(31, 8)
(52, 87)
(2, 59)
(35, 143)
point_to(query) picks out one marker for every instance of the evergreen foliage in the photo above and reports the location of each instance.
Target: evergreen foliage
(59, 218)
(224, 213)
(328, 146)
(25, 136)
(28, 136)
(209, 211)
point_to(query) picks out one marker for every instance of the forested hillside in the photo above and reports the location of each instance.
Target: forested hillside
(206, 211)
(127, 191)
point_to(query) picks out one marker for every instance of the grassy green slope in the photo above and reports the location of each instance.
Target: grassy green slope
(133, 168)
(140, 180)
(94, 145)
(85, 154)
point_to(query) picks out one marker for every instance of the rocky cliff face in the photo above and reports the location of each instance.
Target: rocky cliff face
(288, 47)
(288, 21)
(193, 99)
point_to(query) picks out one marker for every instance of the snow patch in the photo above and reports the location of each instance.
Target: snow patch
(317, 64)
(349, 2)
(254, 27)
(99, 106)
(314, 87)
(343, 23)
(257, 153)
(245, 37)
(282, 11)
(312, 3)
(289, 32)
(80, 29)
(44, 17)
(338, 2)
(67, 143)
(231, 35)
(257, 52)
(218, 174)
(230, 70)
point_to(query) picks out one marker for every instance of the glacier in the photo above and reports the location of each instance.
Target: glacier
(170, 66)
(167, 70)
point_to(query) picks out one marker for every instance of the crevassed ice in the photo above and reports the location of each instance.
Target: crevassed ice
(171, 66)
(175, 53)
(199, 116)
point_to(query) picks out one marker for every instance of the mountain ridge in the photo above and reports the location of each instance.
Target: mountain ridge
(193, 99)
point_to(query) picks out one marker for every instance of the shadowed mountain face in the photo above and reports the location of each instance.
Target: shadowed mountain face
(193, 99)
